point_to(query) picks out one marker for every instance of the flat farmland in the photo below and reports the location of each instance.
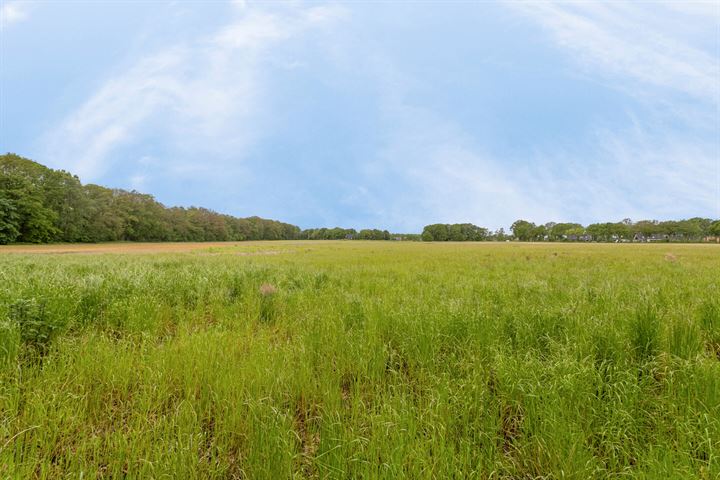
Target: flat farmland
(350, 359)
(139, 247)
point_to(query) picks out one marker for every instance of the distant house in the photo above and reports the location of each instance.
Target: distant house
(711, 239)
(349, 236)
(577, 238)
(655, 237)
(658, 237)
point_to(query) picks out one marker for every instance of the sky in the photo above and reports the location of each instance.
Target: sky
(387, 115)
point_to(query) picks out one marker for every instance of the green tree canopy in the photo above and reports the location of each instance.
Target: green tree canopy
(523, 230)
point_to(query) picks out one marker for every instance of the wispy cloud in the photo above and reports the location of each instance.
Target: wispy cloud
(634, 42)
(13, 12)
(207, 103)
(431, 171)
(668, 163)
(200, 94)
(663, 166)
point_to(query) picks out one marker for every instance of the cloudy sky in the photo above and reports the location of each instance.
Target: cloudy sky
(375, 114)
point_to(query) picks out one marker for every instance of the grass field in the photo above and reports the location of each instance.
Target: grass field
(360, 360)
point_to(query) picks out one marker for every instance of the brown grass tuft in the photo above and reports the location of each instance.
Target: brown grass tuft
(266, 289)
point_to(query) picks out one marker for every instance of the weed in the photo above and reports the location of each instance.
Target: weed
(34, 324)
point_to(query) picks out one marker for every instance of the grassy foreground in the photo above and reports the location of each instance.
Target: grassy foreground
(362, 360)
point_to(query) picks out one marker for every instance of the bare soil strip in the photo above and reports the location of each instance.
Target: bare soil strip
(96, 248)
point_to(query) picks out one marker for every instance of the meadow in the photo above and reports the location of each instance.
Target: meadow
(360, 360)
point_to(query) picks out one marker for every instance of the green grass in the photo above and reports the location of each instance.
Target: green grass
(369, 360)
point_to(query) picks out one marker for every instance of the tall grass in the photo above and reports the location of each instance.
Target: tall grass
(362, 360)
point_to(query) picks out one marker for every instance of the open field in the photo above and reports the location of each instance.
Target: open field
(141, 247)
(360, 360)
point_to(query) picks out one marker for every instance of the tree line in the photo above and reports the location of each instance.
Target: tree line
(456, 232)
(338, 233)
(39, 205)
(691, 230)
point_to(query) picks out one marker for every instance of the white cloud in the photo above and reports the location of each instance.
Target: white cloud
(210, 92)
(239, 4)
(201, 96)
(431, 170)
(641, 173)
(661, 171)
(13, 12)
(704, 9)
(669, 163)
(620, 39)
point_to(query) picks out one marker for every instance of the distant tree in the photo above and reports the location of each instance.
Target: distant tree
(500, 235)
(646, 227)
(437, 232)
(523, 230)
(714, 228)
(409, 237)
(621, 230)
(669, 228)
(21, 184)
(456, 232)
(9, 220)
(105, 221)
(539, 233)
(39, 204)
(561, 231)
(693, 228)
(599, 232)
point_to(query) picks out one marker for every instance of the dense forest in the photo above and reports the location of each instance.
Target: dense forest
(40, 205)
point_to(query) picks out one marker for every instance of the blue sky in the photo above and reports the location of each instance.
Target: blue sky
(375, 114)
